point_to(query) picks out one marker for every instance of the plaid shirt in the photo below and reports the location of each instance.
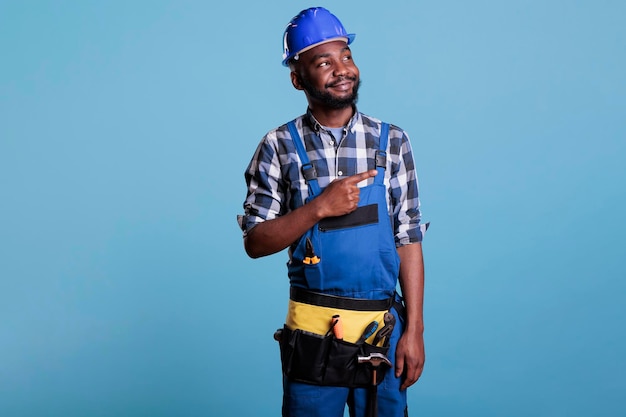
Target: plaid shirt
(276, 185)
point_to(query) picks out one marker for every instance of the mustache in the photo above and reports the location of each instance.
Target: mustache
(339, 80)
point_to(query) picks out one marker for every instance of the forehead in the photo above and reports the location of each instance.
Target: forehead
(328, 49)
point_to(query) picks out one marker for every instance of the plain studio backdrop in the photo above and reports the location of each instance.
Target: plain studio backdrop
(125, 128)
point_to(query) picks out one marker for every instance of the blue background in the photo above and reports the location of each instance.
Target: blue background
(125, 128)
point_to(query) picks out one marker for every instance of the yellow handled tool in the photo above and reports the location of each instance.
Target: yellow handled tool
(310, 258)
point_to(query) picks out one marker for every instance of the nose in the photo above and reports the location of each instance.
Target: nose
(340, 68)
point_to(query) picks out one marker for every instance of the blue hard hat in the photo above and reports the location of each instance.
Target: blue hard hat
(310, 28)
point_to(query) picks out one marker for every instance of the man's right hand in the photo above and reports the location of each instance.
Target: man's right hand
(342, 196)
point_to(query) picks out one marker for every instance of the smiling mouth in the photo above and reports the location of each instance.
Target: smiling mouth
(342, 82)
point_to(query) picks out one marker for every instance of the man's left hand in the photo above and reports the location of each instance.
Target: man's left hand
(410, 358)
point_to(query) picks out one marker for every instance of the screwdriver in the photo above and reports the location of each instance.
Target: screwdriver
(369, 330)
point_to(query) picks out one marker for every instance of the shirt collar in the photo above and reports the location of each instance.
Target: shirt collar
(316, 126)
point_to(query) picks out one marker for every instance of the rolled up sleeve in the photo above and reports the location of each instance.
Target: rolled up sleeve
(406, 213)
(264, 199)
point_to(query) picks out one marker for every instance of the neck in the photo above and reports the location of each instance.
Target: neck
(332, 117)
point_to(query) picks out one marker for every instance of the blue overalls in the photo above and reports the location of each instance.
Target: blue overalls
(358, 259)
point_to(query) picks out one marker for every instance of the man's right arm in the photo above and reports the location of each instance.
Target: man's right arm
(271, 236)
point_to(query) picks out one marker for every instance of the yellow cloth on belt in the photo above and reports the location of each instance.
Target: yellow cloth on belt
(318, 320)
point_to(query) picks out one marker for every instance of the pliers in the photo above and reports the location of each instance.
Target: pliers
(310, 258)
(390, 321)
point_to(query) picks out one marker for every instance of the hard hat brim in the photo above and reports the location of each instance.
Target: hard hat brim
(347, 39)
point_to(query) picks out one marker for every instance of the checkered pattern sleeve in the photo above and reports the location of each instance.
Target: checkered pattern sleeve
(403, 189)
(266, 193)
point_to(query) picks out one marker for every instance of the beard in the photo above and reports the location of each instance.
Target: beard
(328, 99)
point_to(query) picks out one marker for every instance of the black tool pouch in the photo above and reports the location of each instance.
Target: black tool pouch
(324, 360)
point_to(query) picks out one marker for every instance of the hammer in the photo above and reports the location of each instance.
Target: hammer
(375, 360)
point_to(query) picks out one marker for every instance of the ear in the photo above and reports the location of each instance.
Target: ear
(296, 80)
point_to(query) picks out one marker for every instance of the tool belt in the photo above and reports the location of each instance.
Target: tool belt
(313, 352)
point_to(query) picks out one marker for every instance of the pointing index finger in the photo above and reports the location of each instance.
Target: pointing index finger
(361, 176)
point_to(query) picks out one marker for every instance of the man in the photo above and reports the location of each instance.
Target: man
(322, 187)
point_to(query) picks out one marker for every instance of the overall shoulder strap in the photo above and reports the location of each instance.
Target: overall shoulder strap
(308, 170)
(381, 153)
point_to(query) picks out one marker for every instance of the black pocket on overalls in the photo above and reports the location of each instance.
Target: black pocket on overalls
(342, 363)
(363, 215)
(325, 360)
(303, 355)
(363, 374)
